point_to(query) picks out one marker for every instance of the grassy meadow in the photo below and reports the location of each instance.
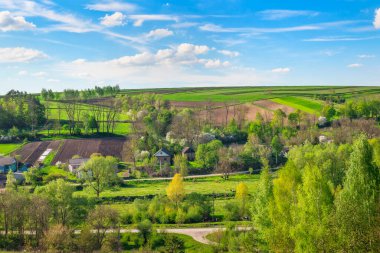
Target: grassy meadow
(6, 149)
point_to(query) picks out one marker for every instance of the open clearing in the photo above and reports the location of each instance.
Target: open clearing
(304, 104)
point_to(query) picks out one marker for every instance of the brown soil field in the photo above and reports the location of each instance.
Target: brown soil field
(247, 111)
(86, 147)
(30, 152)
(66, 149)
(274, 106)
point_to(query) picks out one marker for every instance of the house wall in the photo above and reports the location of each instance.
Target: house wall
(6, 168)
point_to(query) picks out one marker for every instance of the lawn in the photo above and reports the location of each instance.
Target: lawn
(304, 104)
(6, 149)
(207, 185)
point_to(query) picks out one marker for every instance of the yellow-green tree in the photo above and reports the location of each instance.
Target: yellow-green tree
(176, 189)
(241, 195)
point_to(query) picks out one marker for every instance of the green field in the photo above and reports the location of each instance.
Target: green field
(304, 104)
(249, 94)
(6, 149)
(207, 185)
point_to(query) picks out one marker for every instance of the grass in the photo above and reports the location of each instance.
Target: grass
(207, 185)
(53, 170)
(249, 94)
(6, 149)
(304, 104)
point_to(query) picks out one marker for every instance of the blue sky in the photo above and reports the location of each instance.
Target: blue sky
(146, 43)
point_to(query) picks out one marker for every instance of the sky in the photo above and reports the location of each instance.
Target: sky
(77, 44)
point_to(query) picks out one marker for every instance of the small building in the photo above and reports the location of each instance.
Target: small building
(322, 121)
(7, 164)
(189, 153)
(75, 163)
(163, 156)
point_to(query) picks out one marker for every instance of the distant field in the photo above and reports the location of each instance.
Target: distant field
(304, 104)
(6, 149)
(207, 185)
(249, 94)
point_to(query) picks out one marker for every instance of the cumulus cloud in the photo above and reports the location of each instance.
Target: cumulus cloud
(186, 49)
(281, 70)
(215, 63)
(116, 19)
(376, 22)
(112, 6)
(355, 65)
(20, 54)
(229, 53)
(8, 22)
(158, 34)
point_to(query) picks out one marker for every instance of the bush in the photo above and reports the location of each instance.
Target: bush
(194, 214)
(232, 212)
(173, 244)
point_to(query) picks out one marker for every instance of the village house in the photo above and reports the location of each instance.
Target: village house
(189, 153)
(6, 164)
(163, 156)
(75, 164)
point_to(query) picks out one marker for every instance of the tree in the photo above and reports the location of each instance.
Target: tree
(276, 146)
(180, 164)
(357, 204)
(101, 219)
(39, 212)
(11, 183)
(294, 118)
(60, 196)
(329, 111)
(173, 244)
(145, 228)
(176, 189)
(58, 239)
(207, 154)
(100, 172)
(242, 196)
(260, 206)
(278, 118)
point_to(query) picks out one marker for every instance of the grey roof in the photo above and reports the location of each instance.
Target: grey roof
(78, 161)
(163, 152)
(7, 161)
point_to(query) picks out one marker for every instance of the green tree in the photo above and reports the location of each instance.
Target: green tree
(11, 184)
(100, 172)
(357, 204)
(260, 207)
(276, 146)
(207, 154)
(181, 164)
(145, 228)
(60, 196)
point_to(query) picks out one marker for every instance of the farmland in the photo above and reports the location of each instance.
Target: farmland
(66, 149)
(6, 149)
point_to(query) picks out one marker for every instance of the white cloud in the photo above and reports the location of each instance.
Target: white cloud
(9, 22)
(61, 21)
(116, 19)
(215, 63)
(184, 25)
(282, 14)
(19, 54)
(376, 22)
(53, 80)
(40, 74)
(229, 53)
(281, 70)
(190, 49)
(366, 56)
(22, 73)
(140, 19)
(355, 65)
(158, 34)
(112, 6)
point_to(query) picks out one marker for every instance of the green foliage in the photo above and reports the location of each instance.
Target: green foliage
(100, 172)
(207, 154)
